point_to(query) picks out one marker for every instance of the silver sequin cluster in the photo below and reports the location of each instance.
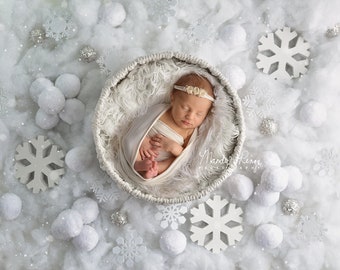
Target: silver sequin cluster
(333, 31)
(269, 126)
(290, 207)
(87, 54)
(118, 218)
(38, 35)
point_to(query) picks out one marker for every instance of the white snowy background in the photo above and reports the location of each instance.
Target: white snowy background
(226, 34)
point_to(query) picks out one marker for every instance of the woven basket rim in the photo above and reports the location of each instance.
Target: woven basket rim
(239, 118)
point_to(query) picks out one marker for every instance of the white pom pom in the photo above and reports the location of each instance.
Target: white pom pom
(87, 208)
(10, 206)
(38, 86)
(274, 179)
(68, 224)
(173, 242)
(51, 100)
(264, 197)
(87, 239)
(78, 159)
(113, 13)
(240, 187)
(46, 121)
(69, 84)
(73, 112)
(270, 159)
(268, 236)
(233, 35)
(294, 179)
(313, 114)
(235, 76)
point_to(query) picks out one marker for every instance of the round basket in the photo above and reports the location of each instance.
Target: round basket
(147, 81)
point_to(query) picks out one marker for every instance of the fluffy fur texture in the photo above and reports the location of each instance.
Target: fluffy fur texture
(149, 81)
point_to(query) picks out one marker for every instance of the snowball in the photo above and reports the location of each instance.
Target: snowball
(73, 112)
(78, 159)
(264, 197)
(38, 86)
(268, 236)
(46, 121)
(173, 242)
(235, 76)
(294, 179)
(87, 208)
(87, 239)
(51, 100)
(270, 159)
(240, 187)
(233, 35)
(68, 224)
(113, 13)
(10, 206)
(313, 113)
(274, 179)
(69, 84)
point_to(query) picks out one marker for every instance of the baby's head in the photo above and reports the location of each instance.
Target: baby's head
(191, 99)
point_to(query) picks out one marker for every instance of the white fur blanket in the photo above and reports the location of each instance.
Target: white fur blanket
(146, 82)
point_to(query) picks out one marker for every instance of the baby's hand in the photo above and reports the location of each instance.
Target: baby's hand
(159, 141)
(146, 150)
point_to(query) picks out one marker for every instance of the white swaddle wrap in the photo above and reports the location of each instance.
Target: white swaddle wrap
(139, 129)
(161, 128)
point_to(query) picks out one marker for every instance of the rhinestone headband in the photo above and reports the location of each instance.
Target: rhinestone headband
(196, 91)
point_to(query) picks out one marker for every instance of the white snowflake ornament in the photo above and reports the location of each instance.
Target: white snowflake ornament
(217, 223)
(283, 54)
(171, 215)
(39, 164)
(130, 249)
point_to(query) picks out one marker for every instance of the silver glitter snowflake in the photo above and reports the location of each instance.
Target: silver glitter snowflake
(201, 32)
(171, 215)
(326, 162)
(60, 26)
(259, 103)
(161, 10)
(249, 163)
(130, 249)
(105, 192)
(3, 102)
(311, 228)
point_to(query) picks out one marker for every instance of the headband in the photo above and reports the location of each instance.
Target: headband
(196, 91)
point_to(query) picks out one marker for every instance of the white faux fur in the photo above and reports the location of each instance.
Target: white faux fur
(149, 81)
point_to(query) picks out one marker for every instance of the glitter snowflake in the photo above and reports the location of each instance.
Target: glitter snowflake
(60, 26)
(130, 249)
(283, 54)
(201, 32)
(171, 215)
(3, 102)
(311, 228)
(105, 192)
(248, 162)
(221, 227)
(39, 164)
(259, 103)
(325, 162)
(161, 10)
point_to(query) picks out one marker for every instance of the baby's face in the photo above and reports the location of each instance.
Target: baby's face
(189, 111)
